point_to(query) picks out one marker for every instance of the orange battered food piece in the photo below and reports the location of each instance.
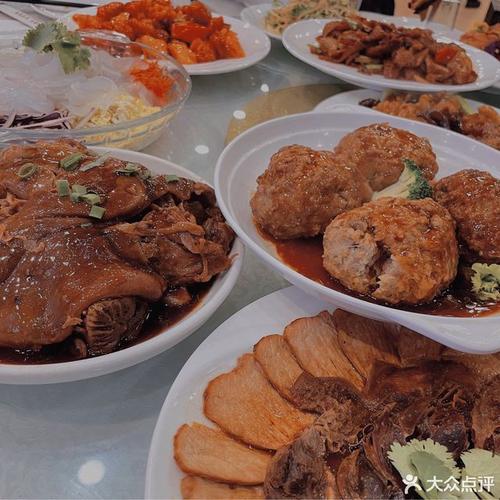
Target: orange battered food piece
(153, 78)
(189, 33)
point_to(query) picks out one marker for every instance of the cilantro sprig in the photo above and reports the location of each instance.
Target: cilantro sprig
(55, 37)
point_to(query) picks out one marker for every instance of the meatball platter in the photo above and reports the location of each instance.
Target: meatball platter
(393, 220)
(106, 259)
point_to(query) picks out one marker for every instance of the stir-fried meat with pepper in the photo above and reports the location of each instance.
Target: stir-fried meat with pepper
(89, 243)
(394, 52)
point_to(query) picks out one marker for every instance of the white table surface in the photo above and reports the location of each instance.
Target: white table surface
(90, 439)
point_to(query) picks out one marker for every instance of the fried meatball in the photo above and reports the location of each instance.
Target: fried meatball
(393, 249)
(473, 199)
(378, 152)
(302, 190)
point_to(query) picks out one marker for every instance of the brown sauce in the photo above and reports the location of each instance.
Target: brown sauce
(160, 318)
(305, 255)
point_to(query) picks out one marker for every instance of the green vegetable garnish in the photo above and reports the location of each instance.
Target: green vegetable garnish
(97, 212)
(486, 281)
(134, 169)
(62, 186)
(78, 189)
(95, 163)
(71, 161)
(172, 178)
(55, 37)
(411, 184)
(91, 198)
(86, 224)
(27, 170)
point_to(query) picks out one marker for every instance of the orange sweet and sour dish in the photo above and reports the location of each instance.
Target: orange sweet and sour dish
(189, 33)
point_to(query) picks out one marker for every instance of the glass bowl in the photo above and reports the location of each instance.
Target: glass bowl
(133, 134)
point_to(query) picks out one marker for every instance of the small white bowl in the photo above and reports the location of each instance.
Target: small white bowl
(108, 363)
(246, 157)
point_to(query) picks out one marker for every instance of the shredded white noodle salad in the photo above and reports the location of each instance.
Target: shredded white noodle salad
(285, 13)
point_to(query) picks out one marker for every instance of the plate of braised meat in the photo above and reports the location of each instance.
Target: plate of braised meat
(107, 257)
(310, 402)
(450, 111)
(381, 216)
(380, 55)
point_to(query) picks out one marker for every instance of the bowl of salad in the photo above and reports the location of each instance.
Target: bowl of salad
(93, 86)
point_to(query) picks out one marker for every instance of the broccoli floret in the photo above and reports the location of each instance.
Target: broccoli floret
(486, 281)
(411, 184)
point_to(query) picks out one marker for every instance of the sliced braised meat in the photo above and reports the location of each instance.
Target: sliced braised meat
(486, 417)
(299, 469)
(356, 478)
(320, 394)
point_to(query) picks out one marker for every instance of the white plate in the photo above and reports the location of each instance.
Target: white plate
(254, 41)
(352, 97)
(299, 36)
(217, 354)
(256, 14)
(246, 157)
(108, 363)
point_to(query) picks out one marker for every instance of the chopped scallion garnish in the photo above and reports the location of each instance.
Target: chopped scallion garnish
(71, 161)
(172, 178)
(97, 212)
(91, 198)
(95, 163)
(27, 170)
(78, 189)
(62, 186)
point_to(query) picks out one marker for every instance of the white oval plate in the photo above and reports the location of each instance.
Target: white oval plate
(247, 156)
(254, 41)
(217, 354)
(256, 14)
(299, 36)
(352, 97)
(108, 363)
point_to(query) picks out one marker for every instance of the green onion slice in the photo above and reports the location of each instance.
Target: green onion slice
(95, 163)
(71, 161)
(78, 189)
(91, 198)
(97, 212)
(27, 170)
(62, 186)
(172, 178)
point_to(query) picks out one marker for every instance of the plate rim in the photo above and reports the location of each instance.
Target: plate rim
(219, 67)
(71, 371)
(368, 81)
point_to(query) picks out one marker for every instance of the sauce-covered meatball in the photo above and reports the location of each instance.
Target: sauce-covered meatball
(302, 190)
(395, 250)
(378, 151)
(473, 199)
